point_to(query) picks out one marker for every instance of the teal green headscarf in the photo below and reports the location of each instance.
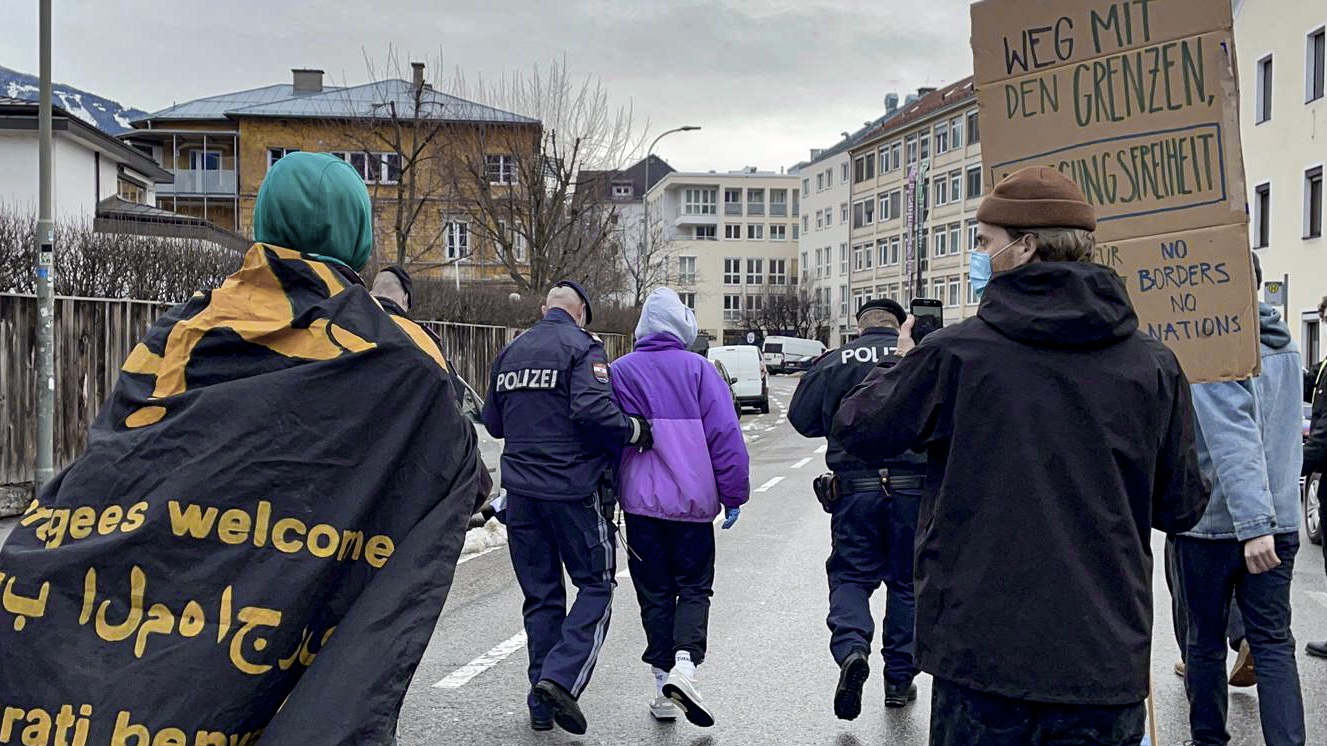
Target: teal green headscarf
(316, 204)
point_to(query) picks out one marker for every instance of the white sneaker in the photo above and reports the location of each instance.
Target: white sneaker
(663, 710)
(682, 690)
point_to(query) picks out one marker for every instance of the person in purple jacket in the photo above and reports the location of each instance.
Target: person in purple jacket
(672, 494)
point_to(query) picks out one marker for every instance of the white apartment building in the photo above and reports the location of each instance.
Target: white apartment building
(929, 155)
(1283, 127)
(732, 243)
(826, 189)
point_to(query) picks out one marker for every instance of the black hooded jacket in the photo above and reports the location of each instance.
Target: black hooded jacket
(1058, 436)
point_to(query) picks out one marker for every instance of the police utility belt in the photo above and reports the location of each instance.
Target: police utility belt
(829, 487)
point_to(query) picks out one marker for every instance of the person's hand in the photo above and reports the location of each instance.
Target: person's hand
(730, 516)
(1260, 554)
(905, 341)
(641, 435)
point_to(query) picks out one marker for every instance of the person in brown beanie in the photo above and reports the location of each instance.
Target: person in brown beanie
(1057, 437)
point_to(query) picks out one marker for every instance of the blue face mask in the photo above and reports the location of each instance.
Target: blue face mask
(979, 268)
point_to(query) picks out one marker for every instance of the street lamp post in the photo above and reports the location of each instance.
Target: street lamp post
(645, 203)
(45, 265)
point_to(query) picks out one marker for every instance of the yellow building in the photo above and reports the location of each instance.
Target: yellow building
(916, 185)
(1283, 128)
(732, 244)
(419, 168)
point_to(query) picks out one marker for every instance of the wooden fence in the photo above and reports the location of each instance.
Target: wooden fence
(93, 338)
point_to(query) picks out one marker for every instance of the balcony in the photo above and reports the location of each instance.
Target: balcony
(216, 182)
(732, 208)
(778, 210)
(695, 217)
(755, 208)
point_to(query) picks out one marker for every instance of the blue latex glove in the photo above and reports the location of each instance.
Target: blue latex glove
(730, 516)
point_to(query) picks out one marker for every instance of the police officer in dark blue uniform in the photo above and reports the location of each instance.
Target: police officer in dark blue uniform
(873, 519)
(550, 398)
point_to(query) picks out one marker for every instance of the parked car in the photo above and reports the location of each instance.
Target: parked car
(731, 381)
(744, 364)
(1309, 492)
(790, 354)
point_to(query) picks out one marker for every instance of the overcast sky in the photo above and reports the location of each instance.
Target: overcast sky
(766, 79)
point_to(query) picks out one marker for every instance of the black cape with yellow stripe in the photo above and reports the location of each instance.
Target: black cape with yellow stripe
(260, 536)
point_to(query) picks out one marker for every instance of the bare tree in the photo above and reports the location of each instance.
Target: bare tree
(521, 188)
(647, 255)
(789, 310)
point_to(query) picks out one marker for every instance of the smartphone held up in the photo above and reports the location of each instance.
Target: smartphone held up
(929, 315)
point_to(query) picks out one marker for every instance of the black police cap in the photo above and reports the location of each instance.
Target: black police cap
(589, 315)
(884, 304)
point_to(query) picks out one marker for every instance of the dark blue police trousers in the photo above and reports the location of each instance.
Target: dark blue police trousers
(873, 535)
(544, 537)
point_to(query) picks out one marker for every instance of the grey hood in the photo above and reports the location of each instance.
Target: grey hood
(1273, 330)
(664, 313)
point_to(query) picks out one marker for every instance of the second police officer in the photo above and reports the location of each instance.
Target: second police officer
(550, 398)
(873, 519)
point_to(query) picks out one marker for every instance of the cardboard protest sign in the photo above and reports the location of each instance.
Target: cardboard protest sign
(1136, 101)
(260, 537)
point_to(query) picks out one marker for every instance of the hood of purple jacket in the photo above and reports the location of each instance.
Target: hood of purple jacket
(699, 462)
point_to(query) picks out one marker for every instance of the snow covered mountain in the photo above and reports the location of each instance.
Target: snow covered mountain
(108, 116)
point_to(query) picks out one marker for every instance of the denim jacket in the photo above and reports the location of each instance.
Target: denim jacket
(1250, 442)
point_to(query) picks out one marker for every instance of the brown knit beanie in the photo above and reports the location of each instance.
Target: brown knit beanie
(1037, 197)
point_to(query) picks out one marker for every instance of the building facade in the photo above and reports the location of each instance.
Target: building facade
(220, 148)
(732, 245)
(916, 185)
(1283, 128)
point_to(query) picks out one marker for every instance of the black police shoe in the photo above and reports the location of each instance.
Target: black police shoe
(853, 673)
(541, 717)
(566, 712)
(900, 695)
(1316, 649)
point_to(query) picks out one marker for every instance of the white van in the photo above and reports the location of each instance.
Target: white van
(788, 354)
(749, 379)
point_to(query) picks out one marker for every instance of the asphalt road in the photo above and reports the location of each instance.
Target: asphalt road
(769, 677)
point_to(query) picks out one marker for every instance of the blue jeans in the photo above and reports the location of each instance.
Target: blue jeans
(1211, 570)
(873, 536)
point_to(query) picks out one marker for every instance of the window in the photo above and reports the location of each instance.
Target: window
(276, 154)
(955, 235)
(882, 251)
(732, 307)
(391, 168)
(955, 186)
(204, 160)
(941, 243)
(895, 244)
(778, 232)
(882, 161)
(972, 235)
(732, 231)
(806, 223)
(868, 254)
(794, 231)
(956, 133)
(501, 169)
(456, 235)
(843, 259)
(806, 187)
(954, 297)
(706, 233)
(938, 289)
(732, 271)
(895, 156)
(925, 140)
(829, 178)
(941, 190)
(755, 303)
(688, 300)
(755, 202)
(1264, 92)
(942, 138)
(884, 209)
(1262, 216)
(755, 232)
(846, 173)
(622, 191)
(732, 202)
(912, 149)
(820, 219)
(820, 182)
(699, 202)
(778, 271)
(686, 270)
(1313, 202)
(778, 203)
(843, 300)
(974, 182)
(863, 213)
(755, 274)
(974, 133)
(843, 213)
(1313, 65)
(863, 168)
(819, 258)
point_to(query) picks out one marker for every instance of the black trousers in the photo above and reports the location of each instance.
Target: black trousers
(966, 717)
(672, 567)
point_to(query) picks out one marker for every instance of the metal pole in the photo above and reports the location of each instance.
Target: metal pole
(45, 266)
(645, 203)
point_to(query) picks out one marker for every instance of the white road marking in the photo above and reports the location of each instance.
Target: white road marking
(823, 447)
(624, 574)
(463, 675)
(766, 486)
(802, 463)
(477, 555)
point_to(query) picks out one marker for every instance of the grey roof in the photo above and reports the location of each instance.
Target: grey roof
(64, 121)
(353, 102)
(115, 214)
